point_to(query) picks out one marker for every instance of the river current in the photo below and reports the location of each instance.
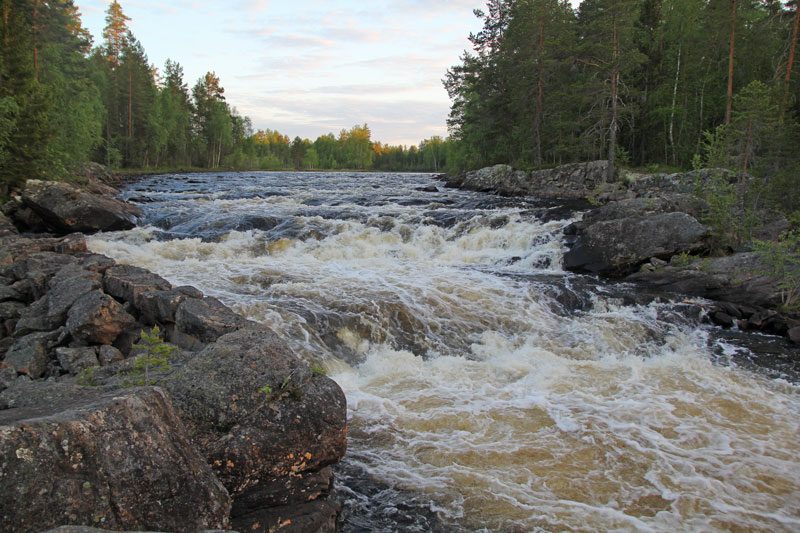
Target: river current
(488, 389)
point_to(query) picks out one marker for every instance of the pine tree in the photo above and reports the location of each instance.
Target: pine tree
(610, 57)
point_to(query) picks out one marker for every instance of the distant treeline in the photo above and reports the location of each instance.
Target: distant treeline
(64, 102)
(645, 82)
(351, 149)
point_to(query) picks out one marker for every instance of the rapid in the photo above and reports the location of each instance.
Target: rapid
(488, 389)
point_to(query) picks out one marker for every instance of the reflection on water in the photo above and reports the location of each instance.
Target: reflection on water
(487, 389)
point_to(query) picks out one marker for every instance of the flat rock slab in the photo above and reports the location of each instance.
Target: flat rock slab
(115, 459)
(67, 209)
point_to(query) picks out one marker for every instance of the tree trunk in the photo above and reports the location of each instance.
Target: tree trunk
(540, 98)
(612, 130)
(748, 143)
(788, 78)
(674, 98)
(130, 103)
(730, 63)
(35, 38)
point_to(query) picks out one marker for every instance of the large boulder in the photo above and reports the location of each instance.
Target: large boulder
(266, 423)
(639, 207)
(30, 355)
(116, 459)
(7, 228)
(207, 319)
(97, 318)
(65, 288)
(127, 283)
(617, 247)
(66, 208)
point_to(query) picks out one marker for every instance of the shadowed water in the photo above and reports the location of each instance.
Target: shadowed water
(488, 390)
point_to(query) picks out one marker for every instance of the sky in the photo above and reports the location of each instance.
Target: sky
(307, 68)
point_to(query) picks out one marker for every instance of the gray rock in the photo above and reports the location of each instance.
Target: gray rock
(87, 529)
(127, 283)
(637, 207)
(9, 293)
(733, 278)
(97, 318)
(107, 355)
(118, 459)
(67, 209)
(207, 319)
(261, 442)
(616, 247)
(14, 249)
(11, 310)
(8, 376)
(50, 311)
(316, 516)
(75, 360)
(577, 180)
(7, 228)
(30, 355)
(160, 306)
(794, 335)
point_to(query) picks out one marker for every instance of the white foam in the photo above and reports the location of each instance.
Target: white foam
(508, 414)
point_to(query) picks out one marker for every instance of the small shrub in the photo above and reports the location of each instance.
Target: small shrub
(315, 369)
(154, 359)
(87, 377)
(781, 260)
(681, 260)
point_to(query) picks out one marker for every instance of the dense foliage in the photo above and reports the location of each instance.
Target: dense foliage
(64, 101)
(641, 81)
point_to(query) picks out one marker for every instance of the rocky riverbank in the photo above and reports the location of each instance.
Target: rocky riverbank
(236, 432)
(648, 231)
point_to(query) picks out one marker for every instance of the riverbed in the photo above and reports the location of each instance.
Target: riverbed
(488, 389)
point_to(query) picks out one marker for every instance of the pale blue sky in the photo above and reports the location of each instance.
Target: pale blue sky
(308, 67)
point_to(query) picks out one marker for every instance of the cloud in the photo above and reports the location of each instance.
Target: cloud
(398, 120)
(254, 6)
(309, 67)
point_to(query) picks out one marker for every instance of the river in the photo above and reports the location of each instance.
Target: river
(488, 389)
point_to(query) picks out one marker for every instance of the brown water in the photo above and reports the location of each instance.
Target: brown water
(477, 400)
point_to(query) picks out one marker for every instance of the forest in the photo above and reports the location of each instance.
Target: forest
(65, 101)
(642, 82)
(657, 85)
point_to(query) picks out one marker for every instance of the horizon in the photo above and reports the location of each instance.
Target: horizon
(307, 70)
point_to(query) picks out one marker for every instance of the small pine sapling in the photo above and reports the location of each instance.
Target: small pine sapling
(154, 359)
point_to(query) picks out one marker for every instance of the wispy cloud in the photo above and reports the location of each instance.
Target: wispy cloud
(309, 67)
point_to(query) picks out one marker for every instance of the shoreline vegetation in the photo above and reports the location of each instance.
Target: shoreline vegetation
(65, 101)
(684, 84)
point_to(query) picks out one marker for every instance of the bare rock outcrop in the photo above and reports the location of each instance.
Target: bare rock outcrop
(63, 208)
(114, 459)
(249, 440)
(576, 180)
(265, 421)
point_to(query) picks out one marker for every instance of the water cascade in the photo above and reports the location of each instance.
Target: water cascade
(488, 389)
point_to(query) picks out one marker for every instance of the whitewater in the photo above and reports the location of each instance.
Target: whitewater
(488, 389)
